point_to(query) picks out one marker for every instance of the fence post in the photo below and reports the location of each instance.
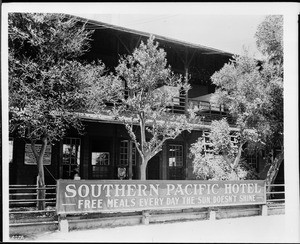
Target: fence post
(146, 217)
(264, 210)
(63, 224)
(212, 214)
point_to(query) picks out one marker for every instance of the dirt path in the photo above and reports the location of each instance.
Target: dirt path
(247, 229)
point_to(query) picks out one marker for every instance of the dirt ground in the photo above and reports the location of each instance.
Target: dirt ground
(257, 229)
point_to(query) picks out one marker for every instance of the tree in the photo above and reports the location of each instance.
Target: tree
(253, 92)
(218, 155)
(269, 38)
(47, 86)
(148, 83)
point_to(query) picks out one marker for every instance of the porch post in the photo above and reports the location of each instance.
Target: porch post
(164, 167)
(186, 78)
(130, 160)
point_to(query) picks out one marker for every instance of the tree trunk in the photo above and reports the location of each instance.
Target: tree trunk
(273, 170)
(41, 194)
(143, 168)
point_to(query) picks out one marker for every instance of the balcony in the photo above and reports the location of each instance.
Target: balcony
(210, 111)
(205, 109)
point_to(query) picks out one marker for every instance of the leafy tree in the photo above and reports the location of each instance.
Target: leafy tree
(269, 38)
(218, 156)
(148, 82)
(46, 83)
(253, 92)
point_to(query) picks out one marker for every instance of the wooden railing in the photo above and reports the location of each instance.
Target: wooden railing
(210, 111)
(22, 196)
(178, 105)
(23, 211)
(25, 196)
(277, 193)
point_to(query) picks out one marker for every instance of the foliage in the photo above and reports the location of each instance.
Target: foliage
(46, 83)
(224, 161)
(148, 81)
(253, 91)
(269, 38)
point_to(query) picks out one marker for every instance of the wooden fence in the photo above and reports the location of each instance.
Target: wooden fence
(23, 198)
(23, 205)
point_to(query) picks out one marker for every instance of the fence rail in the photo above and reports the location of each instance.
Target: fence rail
(24, 212)
(276, 194)
(25, 196)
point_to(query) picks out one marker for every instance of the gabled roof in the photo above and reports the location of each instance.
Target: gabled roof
(93, 24)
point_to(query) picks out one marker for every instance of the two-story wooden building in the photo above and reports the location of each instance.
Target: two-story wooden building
(105, 146)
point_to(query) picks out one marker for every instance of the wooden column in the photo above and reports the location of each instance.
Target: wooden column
(164, 173)
(86, 157)
(186, 78)
(130, 160)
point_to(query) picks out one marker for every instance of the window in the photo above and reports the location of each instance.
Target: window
(251, 156)
(71, 157)
(175, 158)
(125, 155)
(29, 157)
(208, 146)
(100, 158)
(99, 161)
(252, 160)
(207, 142)
(11, 147)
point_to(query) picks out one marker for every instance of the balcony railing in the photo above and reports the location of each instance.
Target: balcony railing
(207, 110)
(177, 105)
(210, 111)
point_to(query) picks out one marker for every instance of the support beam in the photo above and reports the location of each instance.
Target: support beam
(124, 44)
(130, 160)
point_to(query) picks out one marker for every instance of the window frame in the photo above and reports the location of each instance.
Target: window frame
(182, 155)
(121, 153)
(176, 172)
(78, 150)
(96, 174)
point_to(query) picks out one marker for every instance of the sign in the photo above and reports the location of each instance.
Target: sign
(29, 156)
(135, 195)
